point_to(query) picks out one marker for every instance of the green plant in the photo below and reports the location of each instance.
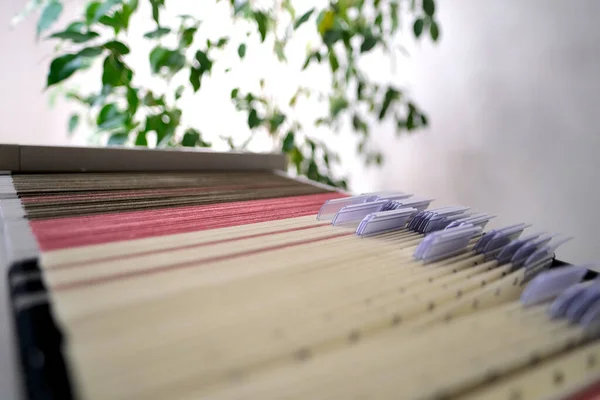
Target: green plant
(125, 112)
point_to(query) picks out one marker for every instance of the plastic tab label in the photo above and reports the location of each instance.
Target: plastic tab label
(443, 244)
(384, 221)
(559, 307)
(550, 284)
(331, 207)
(355, 213)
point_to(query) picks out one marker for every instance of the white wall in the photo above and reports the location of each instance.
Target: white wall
(24, 114)
(511, 92)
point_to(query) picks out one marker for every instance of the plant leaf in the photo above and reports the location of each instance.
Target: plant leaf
(394, 11)
(150, 100)
(379, 21)
(313, 146)
(105, 7)
(117, 139)
(337, 104)
(128, 10)
(115, 21)
(90, 12)
(360, 148)
(360, 88)
(278, 47)
(305, 17)
(73, 36)
(333, 60)
(434, 30)
(296, 157)
(262, 21)
(391, 95)
(313, 171)
(325, 21)
(133, 101)
(190, 138)
(222, 42)
(153, 123)
(97, 99)
(234, 93)
(229, 141)
(410, 121)
(429, 7)
(140, 139)
(157, 55)
(110, 117)
(175, 61)
(418, 27)
(155, 12)
(193, 138)
(157, 33)
(156, 4)
(288, 142)
(253, 119)
(287, 5)
(64, 66)
(117, 48)
(332, 36)
(76, 26)
(90, 52)
(73, 122)
(360, 125)
(116, 73)
(161, 57)
(368, 43)
(276, 121)
(165, 132)
(195, 76)
(49, 16)
(179, 92)
(185, 17)
(205, 62)
(311, 56)
(96, 9)
(242, 50)
(187, 37)
(242, 7)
